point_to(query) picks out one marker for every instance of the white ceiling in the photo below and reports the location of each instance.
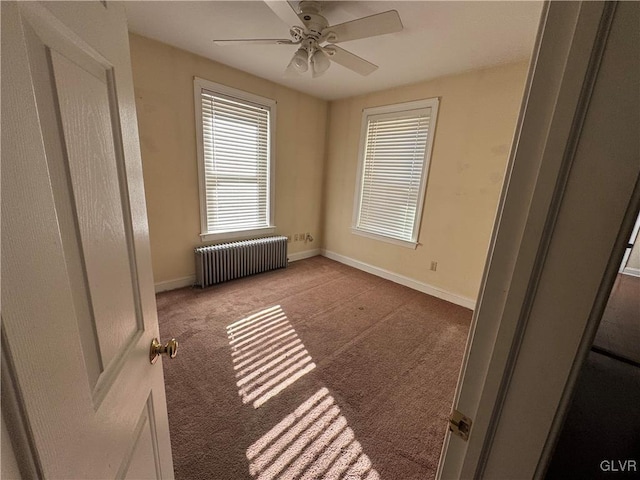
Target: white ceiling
(439, 38)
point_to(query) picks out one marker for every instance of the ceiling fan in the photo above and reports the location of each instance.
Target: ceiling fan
(311, 31)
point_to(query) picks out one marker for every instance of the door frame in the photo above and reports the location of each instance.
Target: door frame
(563, 71)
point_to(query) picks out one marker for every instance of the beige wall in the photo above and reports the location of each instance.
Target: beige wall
(476, 121)
(163, 80)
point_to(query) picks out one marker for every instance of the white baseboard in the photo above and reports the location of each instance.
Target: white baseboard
(176, 283)
(191, 279)
(302, 255)
(380, 272)
(631, 271)
(402, 280)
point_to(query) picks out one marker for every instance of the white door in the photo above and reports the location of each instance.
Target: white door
(567, 210)
(78, 307)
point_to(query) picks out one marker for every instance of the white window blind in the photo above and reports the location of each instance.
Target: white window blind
(394, 164)
(236, 155)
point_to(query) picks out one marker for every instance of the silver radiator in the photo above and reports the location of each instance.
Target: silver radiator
(219, 263)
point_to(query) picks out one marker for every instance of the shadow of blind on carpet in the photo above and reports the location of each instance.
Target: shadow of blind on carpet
(312, 442)
(267, 355)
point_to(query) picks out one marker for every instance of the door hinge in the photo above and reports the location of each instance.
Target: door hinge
(460, 424)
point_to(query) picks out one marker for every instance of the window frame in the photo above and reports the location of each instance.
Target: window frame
(200, 84)
(398, 109)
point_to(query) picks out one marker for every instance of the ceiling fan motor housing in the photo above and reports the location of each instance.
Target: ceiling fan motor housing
(313, 21)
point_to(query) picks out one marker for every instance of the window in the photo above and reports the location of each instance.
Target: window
(395, 148)
(235, 161)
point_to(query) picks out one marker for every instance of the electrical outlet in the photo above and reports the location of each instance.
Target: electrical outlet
(434, 266)
(295, 237)
(301, 236)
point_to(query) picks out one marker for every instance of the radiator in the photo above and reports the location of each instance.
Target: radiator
(219, 263)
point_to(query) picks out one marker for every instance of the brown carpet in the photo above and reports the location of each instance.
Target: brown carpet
(314, 371)
(619, 330)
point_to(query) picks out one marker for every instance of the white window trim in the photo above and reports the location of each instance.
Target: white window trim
(377, 236)
(198, 85)
(432, 103)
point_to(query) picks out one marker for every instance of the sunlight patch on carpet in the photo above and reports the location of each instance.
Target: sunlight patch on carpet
(312, 442)
(267, 355)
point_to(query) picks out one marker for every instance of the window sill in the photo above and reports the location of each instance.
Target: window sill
(236, 235)
(382, 238)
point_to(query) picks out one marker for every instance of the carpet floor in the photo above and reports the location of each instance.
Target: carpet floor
(314, 371)
(619, 330)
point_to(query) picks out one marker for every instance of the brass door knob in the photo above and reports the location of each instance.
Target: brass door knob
(157, 349)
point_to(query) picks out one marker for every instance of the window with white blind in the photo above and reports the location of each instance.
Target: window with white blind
(395, 149)
(235, 146)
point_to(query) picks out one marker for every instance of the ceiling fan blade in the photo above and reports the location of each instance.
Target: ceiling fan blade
(378, 24)
(255, 41)
(284, 11)
(350, 60)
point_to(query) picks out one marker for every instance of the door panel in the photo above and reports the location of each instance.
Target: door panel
(78, 306)
(142, 461)
(86, 122)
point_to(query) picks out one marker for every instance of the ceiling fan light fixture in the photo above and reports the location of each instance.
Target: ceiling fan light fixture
(319, 63)
(310, 29)
(300, 60)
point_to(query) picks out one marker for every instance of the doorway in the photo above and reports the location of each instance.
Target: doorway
(618, 334)
(603, 418)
